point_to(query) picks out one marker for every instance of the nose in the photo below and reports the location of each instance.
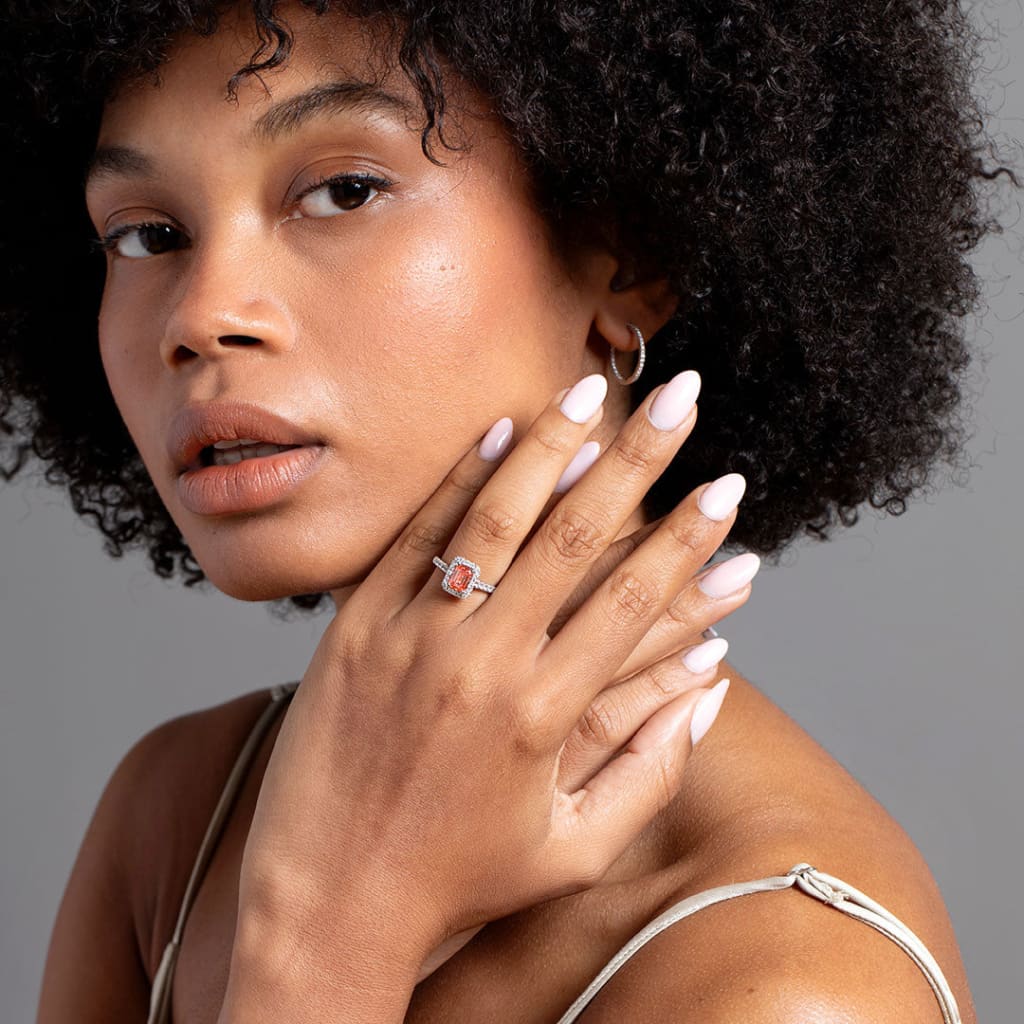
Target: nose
(227, 299)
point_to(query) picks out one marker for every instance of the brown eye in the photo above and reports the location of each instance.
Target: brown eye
(338, 195)
(137, 241)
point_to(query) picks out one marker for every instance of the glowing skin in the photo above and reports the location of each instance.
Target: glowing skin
(357, 326)
(363, 324)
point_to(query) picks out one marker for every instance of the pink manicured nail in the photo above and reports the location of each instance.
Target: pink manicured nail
(721, 496)
(585, 398)
(581, 462)
(675, 400)
(496, 439)
(706, 655)
(727, 577)
(706, 711)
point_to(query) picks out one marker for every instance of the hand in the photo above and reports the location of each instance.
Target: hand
(421, 763)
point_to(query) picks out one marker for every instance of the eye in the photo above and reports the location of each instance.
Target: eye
(341, 192)
(325, 198)
(136, 241)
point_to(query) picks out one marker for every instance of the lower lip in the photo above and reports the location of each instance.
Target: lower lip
(249, 484)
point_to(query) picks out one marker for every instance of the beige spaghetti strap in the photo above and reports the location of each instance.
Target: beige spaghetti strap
(825, 888)
(160, 995)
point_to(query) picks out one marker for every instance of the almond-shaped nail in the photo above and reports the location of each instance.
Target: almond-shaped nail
(673, 402)
(706, 711)
(496, 439)
(585, 398)
(581, 462)
(721, 496)
(706, 655)
(729, 576)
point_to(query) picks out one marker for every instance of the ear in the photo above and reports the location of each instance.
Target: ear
(632, 298)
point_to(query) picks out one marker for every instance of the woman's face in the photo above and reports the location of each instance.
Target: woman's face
(394, 325)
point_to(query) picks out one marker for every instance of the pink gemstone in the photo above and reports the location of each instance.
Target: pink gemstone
(461, 578)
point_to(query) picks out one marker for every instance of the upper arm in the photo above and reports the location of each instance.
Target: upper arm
(94, 969)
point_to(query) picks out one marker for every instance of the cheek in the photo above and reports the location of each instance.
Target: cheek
(441, 305)
(120, 360)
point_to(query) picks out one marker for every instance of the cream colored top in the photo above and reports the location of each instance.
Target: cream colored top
(829, 890)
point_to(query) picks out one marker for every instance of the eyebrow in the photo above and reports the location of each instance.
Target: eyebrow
(283, 118)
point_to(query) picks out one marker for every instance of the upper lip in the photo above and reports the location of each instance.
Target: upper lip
(198, 426)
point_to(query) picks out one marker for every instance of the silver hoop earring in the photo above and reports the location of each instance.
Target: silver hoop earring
(639, 363)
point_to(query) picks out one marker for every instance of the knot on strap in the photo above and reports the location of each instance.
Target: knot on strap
(811, 882)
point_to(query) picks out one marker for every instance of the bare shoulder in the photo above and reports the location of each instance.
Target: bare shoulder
(784, 956)
(131, 863)
(174, 775)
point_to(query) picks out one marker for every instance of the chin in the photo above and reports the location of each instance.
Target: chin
(271, 575)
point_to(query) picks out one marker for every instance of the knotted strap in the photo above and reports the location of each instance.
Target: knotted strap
(826, 888)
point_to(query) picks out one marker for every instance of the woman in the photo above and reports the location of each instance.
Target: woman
(397, 267)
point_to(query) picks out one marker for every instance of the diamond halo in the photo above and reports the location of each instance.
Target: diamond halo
(462, 577)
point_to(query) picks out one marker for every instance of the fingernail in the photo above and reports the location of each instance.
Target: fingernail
(706, 655)
(706, 711)
(581, 462)
(727, 577)
(496, 439)
(709, 633)
(721, 496)
(675, 400)
(585, 398)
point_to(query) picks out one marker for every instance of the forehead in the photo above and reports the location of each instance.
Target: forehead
(353, 55)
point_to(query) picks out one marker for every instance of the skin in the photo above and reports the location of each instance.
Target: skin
(447, 278)
(362, 321)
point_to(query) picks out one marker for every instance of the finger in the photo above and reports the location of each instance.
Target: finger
(609, 811)
(684, 620)
(407, 564)
(507, 506)
(599, 572)
(622, 610)
(619, 711)
(592, 513)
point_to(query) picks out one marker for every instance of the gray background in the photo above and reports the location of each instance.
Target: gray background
(892, 645)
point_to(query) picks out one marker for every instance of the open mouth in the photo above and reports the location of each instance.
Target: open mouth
(227, 453)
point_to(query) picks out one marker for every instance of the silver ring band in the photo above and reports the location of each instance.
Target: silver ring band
(462, 577)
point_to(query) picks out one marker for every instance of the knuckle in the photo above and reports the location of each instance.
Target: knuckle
(575, 535)
(551, 443)
(531, 721)
(685, 535)
(632, 598)
(680, 612)
(457, 695)
(600, 724)
(664, 678)
(631, 457)
(422, 537)
(464, 483)
(491, 523)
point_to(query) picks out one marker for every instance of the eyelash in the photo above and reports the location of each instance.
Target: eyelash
(108, 242)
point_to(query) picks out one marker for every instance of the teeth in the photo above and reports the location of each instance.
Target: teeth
(229, 458)
(233, 444)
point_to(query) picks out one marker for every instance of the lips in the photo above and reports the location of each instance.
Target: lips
(198, 426)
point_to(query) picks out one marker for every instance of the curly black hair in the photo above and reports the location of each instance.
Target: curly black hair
(807, 173)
